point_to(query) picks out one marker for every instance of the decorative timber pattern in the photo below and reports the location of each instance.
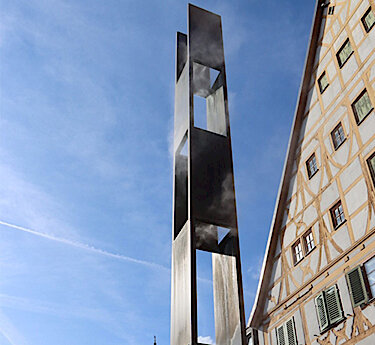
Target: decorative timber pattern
(325, 219)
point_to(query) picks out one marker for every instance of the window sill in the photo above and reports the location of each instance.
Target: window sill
(339, 145)
(297, 262)
(343, 64)
(308, 253)
(311, 176)
(368, 29)
(322, 91)
(339, 225)
(333, 325)
(364, 118)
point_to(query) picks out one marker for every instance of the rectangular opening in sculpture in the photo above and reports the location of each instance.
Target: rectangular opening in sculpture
(213, 238)
(205, 298)
(208, 102)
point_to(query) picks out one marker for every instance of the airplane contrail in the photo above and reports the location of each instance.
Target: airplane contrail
(86, 247)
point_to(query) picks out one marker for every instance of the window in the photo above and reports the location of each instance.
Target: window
(368, 20)
(286, 333)
(311, 166)
(328, 308)
(362, 106)
(337, 214)
(331, 10)
(371, 164)
(338, 136)
(370, 275)
(361, 283)
(344, 53)
(323, 82)
(297, 252)
(303, 246)
(308, 240)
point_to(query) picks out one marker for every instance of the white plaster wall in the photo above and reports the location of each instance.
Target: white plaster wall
(312, 321)
(297, 273)
(329, 196)
(369, 147)
(276, 271)
(366, 128)
(309, 216)
(367, 341)
(336, 27)
(356, 91)
(358, 35)
(331, 92)
(290, 235)
(331, 70)
(349, 69)
(350, 174)
(356, 197)
(341, 237)
(299, 328)
(341, 155)
(344, 296)
(359, 223)
(313, 117)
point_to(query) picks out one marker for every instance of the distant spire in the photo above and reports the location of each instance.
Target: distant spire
(154, 339)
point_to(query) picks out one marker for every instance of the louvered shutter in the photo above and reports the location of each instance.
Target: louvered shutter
(280, 335)
(291, 332)
(357, 286)
(333, 304)
(321, 311)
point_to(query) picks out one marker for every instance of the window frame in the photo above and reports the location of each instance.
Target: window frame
(324, 307)
(355, 110)
(367, 29)
(302, 240)
(335, 145)
(294, 255)
(342, 63)
(372, 171)
(304, 236)
(331, 12)
(335, 224)
(286, 334)
(309, 174)
(321, 89)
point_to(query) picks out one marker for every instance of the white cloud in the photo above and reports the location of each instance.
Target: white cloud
(205, 340)
(10, 332)
(86, 247)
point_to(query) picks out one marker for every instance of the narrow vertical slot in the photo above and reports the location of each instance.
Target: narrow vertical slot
(205, 298)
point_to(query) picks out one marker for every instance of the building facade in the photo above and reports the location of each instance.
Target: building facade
(317, 284)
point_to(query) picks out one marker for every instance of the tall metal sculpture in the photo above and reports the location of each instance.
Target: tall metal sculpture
(204, 212)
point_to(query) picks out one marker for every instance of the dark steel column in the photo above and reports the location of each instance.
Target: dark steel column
(204, 212)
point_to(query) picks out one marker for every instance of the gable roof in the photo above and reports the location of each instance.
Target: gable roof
(262, 290)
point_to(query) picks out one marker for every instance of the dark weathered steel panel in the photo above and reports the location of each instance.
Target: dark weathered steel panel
(212, 179)
(205, 37)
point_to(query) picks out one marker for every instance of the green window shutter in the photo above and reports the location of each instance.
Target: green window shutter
(357, 287)
(280, 335)
(333, 304)
(321, 312)
(291, 332)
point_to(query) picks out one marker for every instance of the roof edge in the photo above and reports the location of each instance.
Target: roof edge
(289, 158)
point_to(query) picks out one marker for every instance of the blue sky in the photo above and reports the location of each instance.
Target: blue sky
(86, 119)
